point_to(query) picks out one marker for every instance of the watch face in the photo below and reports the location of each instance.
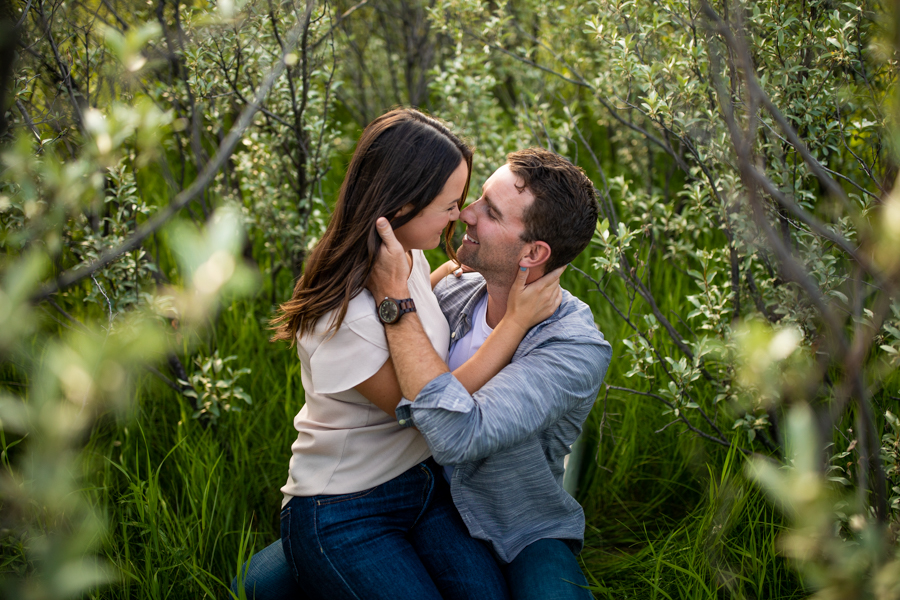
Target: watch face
(388, 311)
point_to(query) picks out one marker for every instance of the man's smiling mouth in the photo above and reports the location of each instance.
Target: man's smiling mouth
(469, 238)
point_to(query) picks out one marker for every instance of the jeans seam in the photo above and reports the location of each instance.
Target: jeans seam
(325, 554)
(286, 513)
(345, 498)
(426, 494)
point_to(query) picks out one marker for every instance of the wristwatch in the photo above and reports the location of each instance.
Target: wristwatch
(390, 310)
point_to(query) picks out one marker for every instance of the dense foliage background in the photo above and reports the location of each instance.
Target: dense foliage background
(165, 167)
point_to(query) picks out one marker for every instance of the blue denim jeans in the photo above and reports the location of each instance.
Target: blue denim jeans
(546, 570)
(401, 539)
(543, 570)
(266, 576)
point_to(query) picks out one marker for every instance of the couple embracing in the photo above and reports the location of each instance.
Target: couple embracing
(439, 405)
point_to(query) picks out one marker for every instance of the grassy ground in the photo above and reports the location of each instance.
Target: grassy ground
(669, 516)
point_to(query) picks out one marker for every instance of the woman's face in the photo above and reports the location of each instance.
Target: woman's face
(423, 232)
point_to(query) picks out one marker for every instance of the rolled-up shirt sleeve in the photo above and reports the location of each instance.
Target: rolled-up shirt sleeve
(528, 395)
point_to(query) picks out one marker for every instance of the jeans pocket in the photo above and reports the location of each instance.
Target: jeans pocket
(326, 500)
(286, 541)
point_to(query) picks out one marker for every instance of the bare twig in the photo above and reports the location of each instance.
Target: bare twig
(28, 122)
(719, 440)
(610, 211)
(159, 375)
(122, 23)
(337, 23)
(758, 299)
(78, 324)
(865, 167)
(667, 425)
(24, 15)
(84, 329)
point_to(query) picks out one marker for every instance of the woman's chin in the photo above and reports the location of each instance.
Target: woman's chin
(429, 245)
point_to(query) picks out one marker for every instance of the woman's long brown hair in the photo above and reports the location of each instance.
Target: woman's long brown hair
(403, 157)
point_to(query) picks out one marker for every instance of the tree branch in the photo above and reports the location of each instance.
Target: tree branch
(740, 49)
(719, 440)
(84, 329)
(184, 197)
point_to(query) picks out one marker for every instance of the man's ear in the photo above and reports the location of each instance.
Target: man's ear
(535, 254)
(406, 208)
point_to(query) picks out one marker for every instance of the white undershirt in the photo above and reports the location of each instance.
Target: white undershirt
(464, 348)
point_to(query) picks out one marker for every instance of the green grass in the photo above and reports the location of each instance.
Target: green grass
(188, 501)
(669, 515)
(724, 547)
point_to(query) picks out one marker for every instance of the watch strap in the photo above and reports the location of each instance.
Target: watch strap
(406, 305)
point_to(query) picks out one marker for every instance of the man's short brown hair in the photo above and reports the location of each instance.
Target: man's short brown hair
(565, 207)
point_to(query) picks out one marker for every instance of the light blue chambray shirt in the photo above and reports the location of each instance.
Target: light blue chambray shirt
(509, 439)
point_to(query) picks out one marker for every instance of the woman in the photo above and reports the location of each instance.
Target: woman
(367, 513)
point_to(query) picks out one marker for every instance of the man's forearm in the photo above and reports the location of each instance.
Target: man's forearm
(415, 360)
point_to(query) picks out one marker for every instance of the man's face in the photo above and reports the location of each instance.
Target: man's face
(493, 242)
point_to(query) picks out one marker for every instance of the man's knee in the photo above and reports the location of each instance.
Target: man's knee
(546, 569)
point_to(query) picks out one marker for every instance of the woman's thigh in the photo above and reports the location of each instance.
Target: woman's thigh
(267, 576)
(461, 566)
(355, 546)
(546, 570)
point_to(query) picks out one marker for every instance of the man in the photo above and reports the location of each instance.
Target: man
(504, 446)
(507, 442)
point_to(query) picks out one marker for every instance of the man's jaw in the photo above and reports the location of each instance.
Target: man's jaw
(468, 247)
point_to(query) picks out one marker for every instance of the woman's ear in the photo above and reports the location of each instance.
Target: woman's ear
(406, 208)
(535, 254)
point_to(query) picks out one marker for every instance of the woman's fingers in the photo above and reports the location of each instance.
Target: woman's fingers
(463, 269)
(547, 291)
(532, 303)
(518, 287)
(521, 277)
(554, 275)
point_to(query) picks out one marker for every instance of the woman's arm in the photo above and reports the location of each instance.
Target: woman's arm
(448, 268)
(526, 307)
(442, 271)
(382, 389)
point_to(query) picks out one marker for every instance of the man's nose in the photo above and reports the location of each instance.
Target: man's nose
(467, 215)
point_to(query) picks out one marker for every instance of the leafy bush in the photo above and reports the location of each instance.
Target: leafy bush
(214, 386)
(745, 268)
